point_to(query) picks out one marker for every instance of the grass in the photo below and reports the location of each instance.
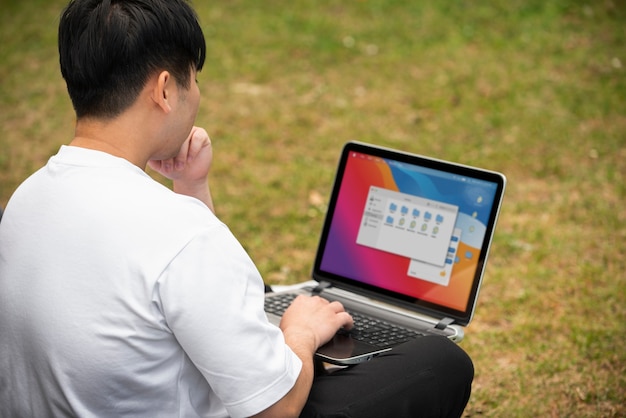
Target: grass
(534, 89)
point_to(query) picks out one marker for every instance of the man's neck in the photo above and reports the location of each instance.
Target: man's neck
(111, 137)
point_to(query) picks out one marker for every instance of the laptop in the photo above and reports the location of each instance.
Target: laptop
(404, 244)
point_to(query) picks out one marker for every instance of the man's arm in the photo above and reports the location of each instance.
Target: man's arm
(190, 168)
(308, 323)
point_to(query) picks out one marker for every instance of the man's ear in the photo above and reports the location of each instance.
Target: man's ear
(162, 90)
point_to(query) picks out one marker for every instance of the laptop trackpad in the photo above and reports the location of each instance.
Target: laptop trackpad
(344, 350)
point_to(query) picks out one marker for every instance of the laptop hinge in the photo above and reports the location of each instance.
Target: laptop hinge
(444, 323)
(320, 288)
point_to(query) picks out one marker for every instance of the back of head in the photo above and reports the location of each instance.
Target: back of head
(109, 48)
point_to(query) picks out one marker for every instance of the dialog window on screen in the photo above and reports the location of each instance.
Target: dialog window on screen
(407, 225)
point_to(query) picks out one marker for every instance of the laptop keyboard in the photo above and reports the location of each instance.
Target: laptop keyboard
(375, 331)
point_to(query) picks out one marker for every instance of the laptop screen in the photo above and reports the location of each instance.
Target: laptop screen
(410, 228)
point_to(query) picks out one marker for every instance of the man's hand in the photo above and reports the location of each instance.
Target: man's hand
(190, 168)
(317, 317)
(308, 323)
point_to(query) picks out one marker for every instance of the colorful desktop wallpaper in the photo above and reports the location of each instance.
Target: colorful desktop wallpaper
(345, 257)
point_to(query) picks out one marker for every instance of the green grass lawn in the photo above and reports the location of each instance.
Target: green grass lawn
(534, 89)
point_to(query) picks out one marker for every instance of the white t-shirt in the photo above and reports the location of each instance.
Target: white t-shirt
(120, 297)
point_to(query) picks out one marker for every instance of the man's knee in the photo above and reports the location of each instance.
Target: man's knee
(445, 357)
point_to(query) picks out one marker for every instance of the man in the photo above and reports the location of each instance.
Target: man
(120, 297)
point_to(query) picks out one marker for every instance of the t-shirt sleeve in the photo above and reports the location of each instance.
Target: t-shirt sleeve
(211, 296)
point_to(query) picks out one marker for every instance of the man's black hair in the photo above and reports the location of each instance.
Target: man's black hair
(109, 48)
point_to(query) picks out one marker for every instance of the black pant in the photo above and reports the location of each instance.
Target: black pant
(428, 377)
